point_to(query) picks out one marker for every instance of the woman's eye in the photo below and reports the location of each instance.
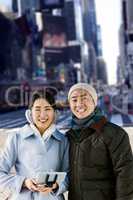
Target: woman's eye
(47, 109)
(37, 110)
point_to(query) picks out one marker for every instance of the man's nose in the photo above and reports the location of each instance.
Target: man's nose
(79, 101)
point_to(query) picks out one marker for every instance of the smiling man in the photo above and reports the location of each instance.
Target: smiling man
(101, 160)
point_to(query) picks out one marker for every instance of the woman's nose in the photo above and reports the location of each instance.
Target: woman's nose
(42, 114)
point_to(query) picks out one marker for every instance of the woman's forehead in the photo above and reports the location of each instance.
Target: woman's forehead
(41, 102)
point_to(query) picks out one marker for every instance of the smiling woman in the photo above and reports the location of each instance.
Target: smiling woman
(43, 111)
(36, 148)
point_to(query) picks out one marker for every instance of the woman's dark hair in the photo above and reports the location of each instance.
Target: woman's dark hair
(49, 97)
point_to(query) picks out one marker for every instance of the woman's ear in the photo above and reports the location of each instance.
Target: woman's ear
(28, 115)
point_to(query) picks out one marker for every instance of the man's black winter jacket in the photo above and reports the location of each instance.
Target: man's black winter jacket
(101, 163)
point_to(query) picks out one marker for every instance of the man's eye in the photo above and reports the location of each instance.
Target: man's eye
(84, 98)
(74, 100)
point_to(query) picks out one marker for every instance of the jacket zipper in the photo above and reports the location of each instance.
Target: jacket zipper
(76, 171)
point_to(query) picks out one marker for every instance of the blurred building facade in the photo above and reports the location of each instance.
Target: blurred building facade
(126, 42)
(90, 23)
(11, 45)
(99, 40)
(125, 59)
(92, 35)
(57, 38)
(102, 71)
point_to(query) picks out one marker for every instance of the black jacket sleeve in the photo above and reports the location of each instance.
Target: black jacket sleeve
(122, 159)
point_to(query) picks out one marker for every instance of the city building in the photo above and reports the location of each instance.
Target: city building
(126, 41)
(125, 60)
(82, 36)
(90, 22)
(92, 35)
(10, 48)
(121, 64)
(20, 6)
(99, 40)
(102, 71)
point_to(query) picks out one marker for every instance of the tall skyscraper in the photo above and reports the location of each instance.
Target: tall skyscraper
(21, 6)
(99, 40)
(125, 62)
(90, 22)
(69, 13)
(126, 41)
(121, 61)
(102, 70)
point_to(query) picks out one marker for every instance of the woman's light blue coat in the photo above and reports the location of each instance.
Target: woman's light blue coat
(29, 153)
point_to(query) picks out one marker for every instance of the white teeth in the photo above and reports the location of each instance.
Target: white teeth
(80, 110)
(43, 120)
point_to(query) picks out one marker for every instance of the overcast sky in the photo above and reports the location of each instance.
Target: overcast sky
(108, 16)
(5, 2)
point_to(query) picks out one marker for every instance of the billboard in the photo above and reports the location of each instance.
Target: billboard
(74, 53)
(54, 39)
(70, 18)
(55, 56)
(54, 34)
(49, 4)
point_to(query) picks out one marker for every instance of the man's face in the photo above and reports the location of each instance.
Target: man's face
(81, 103)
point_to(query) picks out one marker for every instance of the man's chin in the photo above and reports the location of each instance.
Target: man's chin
(80, 116)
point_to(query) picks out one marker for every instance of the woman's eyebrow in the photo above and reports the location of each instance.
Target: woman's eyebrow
(37, 106)
(43, 107)
(47, 106)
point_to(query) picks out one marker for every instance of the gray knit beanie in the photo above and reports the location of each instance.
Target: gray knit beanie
(85, 86)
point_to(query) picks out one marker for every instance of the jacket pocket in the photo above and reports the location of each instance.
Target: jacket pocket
(93, 195)
(108, 194)
(100, 190)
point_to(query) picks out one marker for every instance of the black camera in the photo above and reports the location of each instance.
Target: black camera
(51, 179)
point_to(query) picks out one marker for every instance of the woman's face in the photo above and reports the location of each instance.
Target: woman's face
(43, 114)
(81, 103)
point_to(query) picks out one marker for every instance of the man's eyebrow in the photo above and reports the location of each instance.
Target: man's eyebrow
(74, 97)
(82, 95)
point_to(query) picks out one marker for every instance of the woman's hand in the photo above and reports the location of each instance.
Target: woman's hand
(45, 189)
(31, 185)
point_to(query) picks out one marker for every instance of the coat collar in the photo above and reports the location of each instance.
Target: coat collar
(97, 126)
(27, 131)
(57, 135)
